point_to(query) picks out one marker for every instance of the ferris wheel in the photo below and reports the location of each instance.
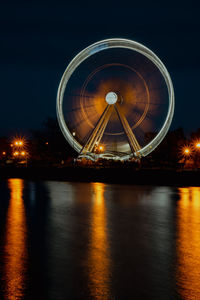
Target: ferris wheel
(115, 100)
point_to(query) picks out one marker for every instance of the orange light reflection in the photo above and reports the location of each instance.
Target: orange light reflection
(99, 257)
(188, 252)
(15, 243)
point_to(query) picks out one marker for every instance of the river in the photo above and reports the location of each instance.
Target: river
(63, 240)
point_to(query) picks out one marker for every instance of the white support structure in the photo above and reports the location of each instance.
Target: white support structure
(135, 147)
(97, 133)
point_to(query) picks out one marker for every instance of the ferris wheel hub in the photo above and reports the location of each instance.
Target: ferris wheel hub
(111, 98)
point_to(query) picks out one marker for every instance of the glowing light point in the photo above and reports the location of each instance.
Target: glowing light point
(198, 145)
(18, 143)
(187, 151)
(101, 148)
(111, 98)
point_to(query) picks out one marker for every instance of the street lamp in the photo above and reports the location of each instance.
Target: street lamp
(187, 151)
(19, 143)
(101, 148)
(198, 145)
(186, 155)
(24, 153)
(19, 146)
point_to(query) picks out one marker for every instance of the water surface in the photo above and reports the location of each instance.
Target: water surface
(62, 240)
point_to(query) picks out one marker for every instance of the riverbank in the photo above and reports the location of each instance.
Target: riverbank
(109, 175)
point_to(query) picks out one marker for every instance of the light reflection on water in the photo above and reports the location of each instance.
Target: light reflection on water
(188, 243)
(99, 241)
(98, 256)
(15, 248)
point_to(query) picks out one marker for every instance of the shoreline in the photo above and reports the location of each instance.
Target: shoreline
(126, 175)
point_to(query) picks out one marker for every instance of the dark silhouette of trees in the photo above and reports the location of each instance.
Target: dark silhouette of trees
(49, 144)
(168, 152)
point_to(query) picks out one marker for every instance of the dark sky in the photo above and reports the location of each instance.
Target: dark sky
(38, 39)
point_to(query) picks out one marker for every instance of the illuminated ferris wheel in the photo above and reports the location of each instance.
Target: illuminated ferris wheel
(115, 100)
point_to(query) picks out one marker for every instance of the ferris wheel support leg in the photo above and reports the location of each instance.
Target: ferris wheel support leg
(129, 133)
(102, 129)
(98, 131)
(93, 134)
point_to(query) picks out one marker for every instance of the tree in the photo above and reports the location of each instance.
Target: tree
(49, 143)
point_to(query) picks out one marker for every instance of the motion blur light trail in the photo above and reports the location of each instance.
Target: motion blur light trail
(144, 93)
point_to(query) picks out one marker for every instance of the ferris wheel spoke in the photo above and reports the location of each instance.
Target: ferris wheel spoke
(80, 95)
(150, 103)
(128, 131)
(97, 133)
(78, 108)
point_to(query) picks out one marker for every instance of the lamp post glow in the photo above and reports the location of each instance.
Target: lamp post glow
(19, 143)
(198, 145)
(101, 148)
(187, 151)
(19, 147)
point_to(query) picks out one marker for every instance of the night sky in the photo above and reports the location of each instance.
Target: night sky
(39, 39)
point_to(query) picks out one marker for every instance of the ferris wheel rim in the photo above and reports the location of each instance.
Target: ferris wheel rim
(108, 44)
